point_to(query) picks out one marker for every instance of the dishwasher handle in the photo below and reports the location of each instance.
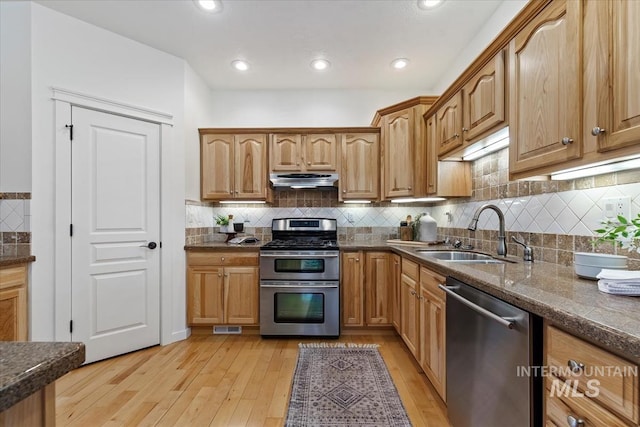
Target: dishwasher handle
(502, 320)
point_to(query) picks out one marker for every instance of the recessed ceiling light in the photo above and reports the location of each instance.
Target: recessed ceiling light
(429, 4)
(399, 63)
(320, 64)
(240, 65)
(209, 5)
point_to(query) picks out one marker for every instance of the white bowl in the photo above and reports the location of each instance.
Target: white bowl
(590, 271)
(600, 260)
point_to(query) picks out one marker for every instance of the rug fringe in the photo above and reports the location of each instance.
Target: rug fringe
(336, 345)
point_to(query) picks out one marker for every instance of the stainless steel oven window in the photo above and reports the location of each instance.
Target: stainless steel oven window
(305, 307)
(295, 265)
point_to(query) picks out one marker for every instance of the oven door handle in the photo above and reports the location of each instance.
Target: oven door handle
(290, 255)
(298, 286)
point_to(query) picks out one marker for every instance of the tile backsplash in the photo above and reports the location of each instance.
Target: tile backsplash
(557, 217)
(15, 224)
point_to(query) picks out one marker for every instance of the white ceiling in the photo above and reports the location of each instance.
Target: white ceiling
(279, 38)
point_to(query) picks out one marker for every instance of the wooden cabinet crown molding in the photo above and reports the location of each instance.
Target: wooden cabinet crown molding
(319, 130)
(418, 100)
(501, 41)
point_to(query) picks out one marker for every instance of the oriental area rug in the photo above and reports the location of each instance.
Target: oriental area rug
(343, 385)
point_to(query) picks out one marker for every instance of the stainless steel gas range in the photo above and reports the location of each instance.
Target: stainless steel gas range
(300, 279)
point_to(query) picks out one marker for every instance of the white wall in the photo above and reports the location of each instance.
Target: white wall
(197, 114)
(15, 102)
(494, 25)
(74, 55)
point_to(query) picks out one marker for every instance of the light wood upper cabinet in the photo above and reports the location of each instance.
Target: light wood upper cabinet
(618, 79)
(483, 100)
(233, 166)
(13, 303)
(298, 153)
(449, 125)
(399, 154)
(545, 88)
(360, 172)
(222, 288)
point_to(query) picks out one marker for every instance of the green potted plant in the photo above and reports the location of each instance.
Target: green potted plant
(223, 222)
(622, 233)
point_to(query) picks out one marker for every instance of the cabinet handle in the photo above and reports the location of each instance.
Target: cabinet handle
(219, 274)
(408, 188)
(297, 163)
(575, 366)
(309, 163)
(237, 191)
(226, 274)
(412, 292)
(597, 131)
(456, 135)
(566, 140)
(574, 422)
(357, 259)
(464, 129)
(344, 191)
(222, 258)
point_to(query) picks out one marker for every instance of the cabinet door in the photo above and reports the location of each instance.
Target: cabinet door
(399, 154)
(396, 272)
(250, 166)
(545, 88)
(449, 125)
(483, 100)
(321, 152)
(205, 296)
(285, 153)
(13, 314)
(360, 175)
(410, 320)
(216, 160)
(378, 289)
(432, 330)
(241, 288)
(352, 289)
(619, 113)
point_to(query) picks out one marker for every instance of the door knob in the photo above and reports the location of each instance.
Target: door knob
(150, 245)
(597, 131)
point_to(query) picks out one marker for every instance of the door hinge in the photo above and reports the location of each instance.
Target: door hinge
(70, 326)
(70, 229)
(70, 127)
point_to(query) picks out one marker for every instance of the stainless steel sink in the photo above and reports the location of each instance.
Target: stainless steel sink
(461, 257)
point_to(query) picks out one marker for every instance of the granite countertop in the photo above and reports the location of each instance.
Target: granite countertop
(13, 260)
(219, 247)
(553, 292)
(26, 367)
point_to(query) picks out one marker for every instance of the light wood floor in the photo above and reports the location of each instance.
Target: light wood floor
(218, 380)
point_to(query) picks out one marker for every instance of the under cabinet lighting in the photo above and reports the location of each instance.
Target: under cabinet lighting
(625, 163)
(249, 202)
(491, 144)
(356, 201)
(419, 199)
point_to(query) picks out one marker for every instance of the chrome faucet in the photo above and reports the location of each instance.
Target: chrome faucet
(502, 241)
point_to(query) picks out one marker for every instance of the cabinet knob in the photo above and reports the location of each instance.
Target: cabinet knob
(574, 422)
(344, 191)
(575, 366)
(566, 140)
(464, 129)
(297, 163)
(357, 259)
(456, 135)
(412, 292)
(309, 163)
(408, 188)
(226, 274)
(222, 258)
(597, 131)
(230, 192)
(237, 191)
(219, 274)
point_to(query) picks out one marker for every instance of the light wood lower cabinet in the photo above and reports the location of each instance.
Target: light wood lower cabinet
(396, 273)
(432, 330)
(366, 288)
(409, 307)
(590, 383)
(222, 289)
(13, 303)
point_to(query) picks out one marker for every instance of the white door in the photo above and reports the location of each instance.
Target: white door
(115, 243)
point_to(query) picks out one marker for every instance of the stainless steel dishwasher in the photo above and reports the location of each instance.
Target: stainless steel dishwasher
(489, 342)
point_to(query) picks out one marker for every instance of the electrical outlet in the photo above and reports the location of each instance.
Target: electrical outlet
(615, 206)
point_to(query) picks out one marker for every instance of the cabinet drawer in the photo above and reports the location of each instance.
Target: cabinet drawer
(222, 258)
(617, 379)
(562, 405)
(430, 281)
(13, 276)
(410, 268)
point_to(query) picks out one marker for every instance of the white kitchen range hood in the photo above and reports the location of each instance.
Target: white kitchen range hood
(300, 180)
